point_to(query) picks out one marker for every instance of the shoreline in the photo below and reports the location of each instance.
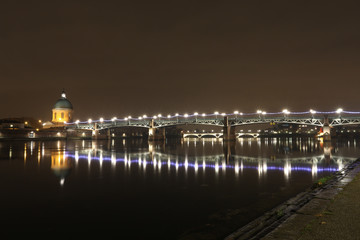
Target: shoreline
(313, 199)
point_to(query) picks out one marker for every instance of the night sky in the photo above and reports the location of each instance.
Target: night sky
(118, 59)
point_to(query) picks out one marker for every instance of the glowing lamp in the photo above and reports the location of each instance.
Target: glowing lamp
(339, 110)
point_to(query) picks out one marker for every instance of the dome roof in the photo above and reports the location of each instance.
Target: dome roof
(63, 102)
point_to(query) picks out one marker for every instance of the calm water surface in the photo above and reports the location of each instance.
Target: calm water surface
(174, 190)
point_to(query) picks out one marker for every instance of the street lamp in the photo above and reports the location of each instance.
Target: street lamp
(114, 120)
(216, 113)
(312, 112)
(286, 112)
(339, 111)
(236, 114)
(259, 112)
(196, 114)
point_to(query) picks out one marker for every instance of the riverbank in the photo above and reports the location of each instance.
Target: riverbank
(326, 211)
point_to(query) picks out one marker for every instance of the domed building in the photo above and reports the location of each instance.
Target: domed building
(62, 110)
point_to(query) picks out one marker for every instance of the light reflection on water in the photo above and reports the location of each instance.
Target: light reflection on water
(226, 160)
(252, 175)
(311, 164)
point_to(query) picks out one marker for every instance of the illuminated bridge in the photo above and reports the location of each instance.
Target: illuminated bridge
(157, 124)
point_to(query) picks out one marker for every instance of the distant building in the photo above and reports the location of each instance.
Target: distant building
(11, 124)
(62, 111)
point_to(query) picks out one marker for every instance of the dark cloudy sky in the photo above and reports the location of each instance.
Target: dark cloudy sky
(119, 58)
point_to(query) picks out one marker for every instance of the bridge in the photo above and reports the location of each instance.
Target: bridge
(157, 124)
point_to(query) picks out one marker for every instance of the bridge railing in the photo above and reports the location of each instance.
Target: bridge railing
(234, 120)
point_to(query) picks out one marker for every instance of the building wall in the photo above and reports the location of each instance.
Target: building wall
(62, 115)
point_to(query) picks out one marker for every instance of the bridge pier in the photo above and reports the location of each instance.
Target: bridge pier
(326, 129)
(228, 131)
(105, 133)
(95, 132)
(156, 134)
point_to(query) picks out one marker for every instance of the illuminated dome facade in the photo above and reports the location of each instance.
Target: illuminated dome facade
(62, 110)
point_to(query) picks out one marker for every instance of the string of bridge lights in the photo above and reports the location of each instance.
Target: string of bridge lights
(216, 114)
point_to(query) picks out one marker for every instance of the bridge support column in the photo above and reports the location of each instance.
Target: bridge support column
(108, 133)
(95, 132)
(156, 134)
(326, 129)
(228, 131)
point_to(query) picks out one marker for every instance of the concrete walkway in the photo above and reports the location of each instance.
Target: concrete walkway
(332, 214)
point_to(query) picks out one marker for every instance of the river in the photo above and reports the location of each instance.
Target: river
(188, 189)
